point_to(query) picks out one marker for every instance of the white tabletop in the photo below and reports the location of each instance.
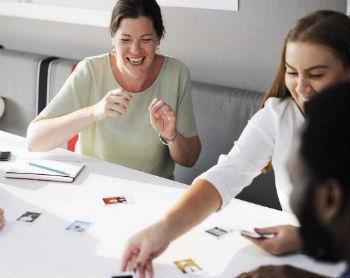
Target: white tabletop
(45, 249)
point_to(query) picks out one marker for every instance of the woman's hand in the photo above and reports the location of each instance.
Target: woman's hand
(286, 240)
(2, 218)
(163, 119)
(143, 247)
(113, 104)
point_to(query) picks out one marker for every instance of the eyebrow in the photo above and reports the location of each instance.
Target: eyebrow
(311, 68)
(145, 35)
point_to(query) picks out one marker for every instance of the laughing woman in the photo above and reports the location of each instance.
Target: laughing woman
(131, 106)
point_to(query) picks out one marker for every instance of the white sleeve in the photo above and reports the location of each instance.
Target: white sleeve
(249, 155)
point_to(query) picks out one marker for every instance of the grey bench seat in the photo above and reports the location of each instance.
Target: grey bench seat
(221, 114)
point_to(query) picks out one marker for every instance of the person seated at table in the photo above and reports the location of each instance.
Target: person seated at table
(315, 55)
(321, 183)
(131, 106)
(2, 218)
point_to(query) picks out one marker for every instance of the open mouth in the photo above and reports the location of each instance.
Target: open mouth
(135, 61)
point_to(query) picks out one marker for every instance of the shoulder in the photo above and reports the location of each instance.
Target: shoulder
(174, 65)
(94, 62)
(278, 107)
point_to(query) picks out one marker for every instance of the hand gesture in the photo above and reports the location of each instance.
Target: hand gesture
(2, 219)
(163, 119)
(286, 240)
(143, 247)
(113, 104)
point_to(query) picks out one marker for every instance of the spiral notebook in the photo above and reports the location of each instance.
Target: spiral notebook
(47, 170)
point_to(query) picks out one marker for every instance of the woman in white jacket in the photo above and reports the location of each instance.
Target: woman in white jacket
(316, 54)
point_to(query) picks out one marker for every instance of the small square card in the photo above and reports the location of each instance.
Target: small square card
(189, 267)
(29, 217)
(78, 226)
(218, 232)
(117, 200)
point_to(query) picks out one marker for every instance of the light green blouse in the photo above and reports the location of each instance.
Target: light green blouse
(130, 139)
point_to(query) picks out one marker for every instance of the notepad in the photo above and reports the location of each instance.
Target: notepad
(47, 170)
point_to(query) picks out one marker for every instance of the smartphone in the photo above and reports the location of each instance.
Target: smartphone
(253, 234)
(4, 156)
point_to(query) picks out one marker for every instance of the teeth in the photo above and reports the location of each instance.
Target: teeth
(135, 61)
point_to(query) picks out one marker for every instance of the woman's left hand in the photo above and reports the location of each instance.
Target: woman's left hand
(162, 118)
(286, 239)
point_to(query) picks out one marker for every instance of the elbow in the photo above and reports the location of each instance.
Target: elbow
(30, 145)
(194, 156)
(32, 141)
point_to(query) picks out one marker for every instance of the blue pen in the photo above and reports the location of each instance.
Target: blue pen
(48, 168)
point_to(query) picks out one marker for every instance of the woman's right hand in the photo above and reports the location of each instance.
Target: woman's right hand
(2, 218)
(143, 247)
(113, 104)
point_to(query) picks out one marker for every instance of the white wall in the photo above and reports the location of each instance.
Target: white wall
(237, 49)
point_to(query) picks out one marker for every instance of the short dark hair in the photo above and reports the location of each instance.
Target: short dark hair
(134, 9)
(325, 142)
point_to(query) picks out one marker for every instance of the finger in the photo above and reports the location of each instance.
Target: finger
(149, 269)
(114, 114)
(257, 241)
(120, 92)
(1, 211)
(152, 103)
(155, 109)
(267, 230)
(116, 108)
(143, 257)
(118, 100)
(141, 271)
(170, 117)
(127, 256)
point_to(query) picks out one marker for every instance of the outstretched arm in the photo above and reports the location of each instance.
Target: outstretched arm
(199, 201)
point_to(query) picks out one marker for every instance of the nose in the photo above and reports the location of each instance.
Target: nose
(303, 86)
(135, 47)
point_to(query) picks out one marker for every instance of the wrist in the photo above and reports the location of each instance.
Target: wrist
(167, 141)
(94, 113)
(167, 228)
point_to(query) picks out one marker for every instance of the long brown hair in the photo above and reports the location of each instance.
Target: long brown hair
(326, 28)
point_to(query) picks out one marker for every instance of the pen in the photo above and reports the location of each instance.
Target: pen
(48, 168)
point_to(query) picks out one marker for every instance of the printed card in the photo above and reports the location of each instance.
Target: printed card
(218, 232)
(78, 226)
(114, 200)
(29, 217)
(188, 267)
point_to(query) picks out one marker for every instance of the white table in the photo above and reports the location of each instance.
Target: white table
(45, 249)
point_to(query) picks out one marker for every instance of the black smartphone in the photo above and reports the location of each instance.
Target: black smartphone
(4, 156)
